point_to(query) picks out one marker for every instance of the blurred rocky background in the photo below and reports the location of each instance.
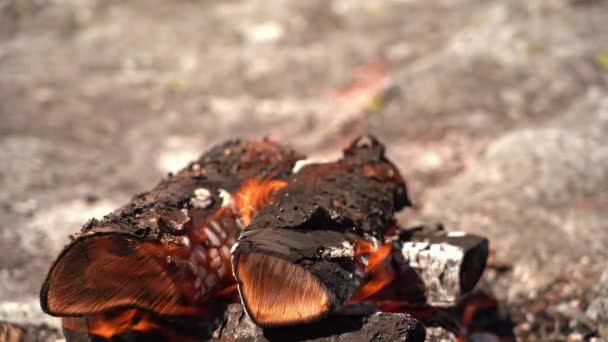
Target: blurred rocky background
(495, 111)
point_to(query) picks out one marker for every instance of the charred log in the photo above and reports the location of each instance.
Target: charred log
(168, 248)
(287, 276)
(359, 193)
(435, 267)
(304, 240)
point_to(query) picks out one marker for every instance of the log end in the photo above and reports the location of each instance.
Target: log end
(277, 293)
(108, 271)
(473, 263)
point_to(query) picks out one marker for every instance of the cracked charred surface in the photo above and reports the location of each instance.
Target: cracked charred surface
(361, 193)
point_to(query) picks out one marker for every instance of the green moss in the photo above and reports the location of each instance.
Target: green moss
(532, 49)
(177, 85)
(602, 59)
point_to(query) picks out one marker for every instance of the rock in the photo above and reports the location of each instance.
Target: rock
(598, 309)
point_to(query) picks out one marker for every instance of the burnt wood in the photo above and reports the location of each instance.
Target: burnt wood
(325, 208)
(236, 326)
(434, 266)
(329, 256)
(149, 253)
(358, 193)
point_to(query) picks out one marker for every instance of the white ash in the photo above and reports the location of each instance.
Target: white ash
(183, 241)
(364, 261)
(216, 262)
(213, 239)
(226, 197)
(202, 198)
(457, 234)
(221, 272)
(213, 252)
(346, 250)
(303, 162)
(225, 252)
(429, 260)
(234, 247)
(439, 334)
(216, 226)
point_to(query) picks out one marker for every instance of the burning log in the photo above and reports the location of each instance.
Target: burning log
(301, 257)
(291, 276)
(433, 267)
(312, 239)
(166, 251)
(438, 267)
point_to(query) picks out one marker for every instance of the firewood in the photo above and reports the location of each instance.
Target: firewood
(435, 267)
(296, 262)
(289, 276)
(168, 249)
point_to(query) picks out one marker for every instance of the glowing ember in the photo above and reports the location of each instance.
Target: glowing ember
(255, 194)
(108, 325)
(377, 273)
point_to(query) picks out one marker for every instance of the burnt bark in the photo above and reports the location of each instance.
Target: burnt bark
(358, 193)
(217, 174)
(328, 207)
(146, 246)
(436, 267)
(327, 255)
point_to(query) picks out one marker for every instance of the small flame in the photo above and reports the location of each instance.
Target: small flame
(377, 273)
(107, 325)
(254, 195)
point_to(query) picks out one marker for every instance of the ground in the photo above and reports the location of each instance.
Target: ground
(499, 122)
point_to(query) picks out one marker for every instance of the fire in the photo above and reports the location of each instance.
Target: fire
(377, 273)
(254, 195)
(108, 325)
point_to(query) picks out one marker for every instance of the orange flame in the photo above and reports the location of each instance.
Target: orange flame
(377, 273)
(255, 194)
(106, 325)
